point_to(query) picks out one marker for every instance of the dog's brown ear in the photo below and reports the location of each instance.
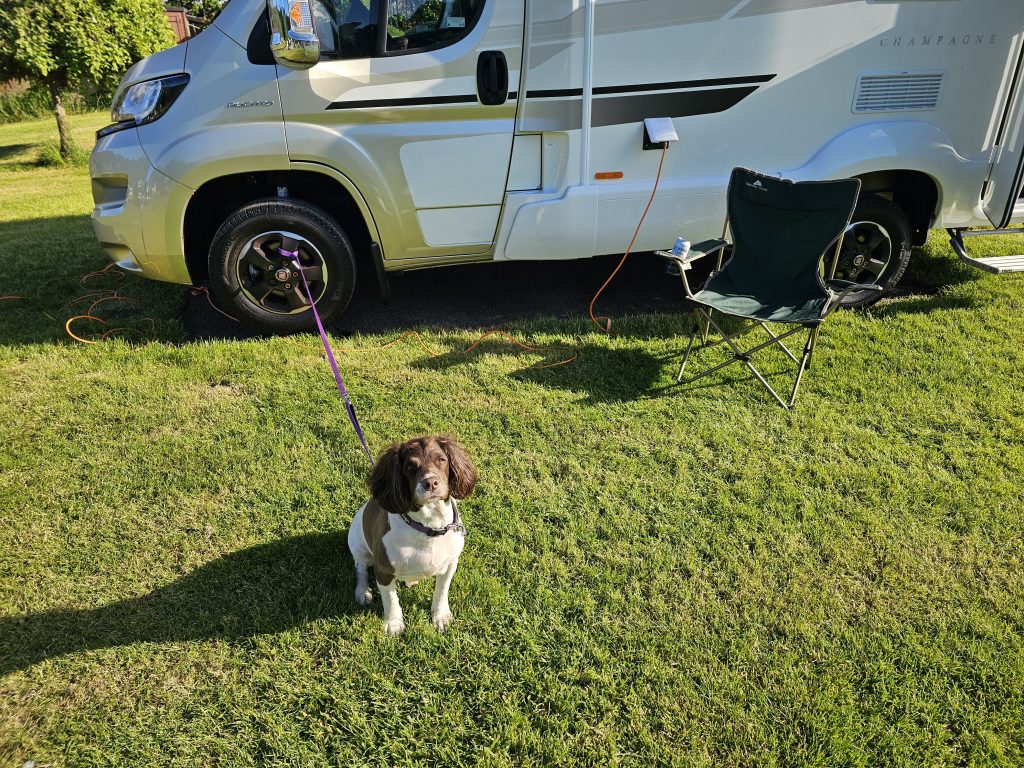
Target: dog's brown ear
(388, 484)
(461, 472)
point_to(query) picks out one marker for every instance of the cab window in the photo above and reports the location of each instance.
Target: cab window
(351, 29)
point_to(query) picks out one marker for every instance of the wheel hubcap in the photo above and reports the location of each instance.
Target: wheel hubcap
(866, 253)
(272, 280)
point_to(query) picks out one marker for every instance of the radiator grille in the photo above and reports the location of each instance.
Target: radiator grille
(898, 91)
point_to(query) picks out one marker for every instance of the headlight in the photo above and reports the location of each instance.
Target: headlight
(143, 103)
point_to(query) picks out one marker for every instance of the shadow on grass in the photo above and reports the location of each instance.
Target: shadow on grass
(11, 150)
(264, 589)
(922, 305)
(480, 296)
(927, 273)
(610, 375)
(605, 375)
(46, 264)
(43, 261)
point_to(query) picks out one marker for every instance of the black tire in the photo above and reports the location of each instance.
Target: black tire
(876, 249)
(252, 280)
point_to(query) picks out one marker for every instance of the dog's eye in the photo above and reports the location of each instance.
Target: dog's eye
(442, 460)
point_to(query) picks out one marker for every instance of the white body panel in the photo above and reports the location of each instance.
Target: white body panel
(800, 123)
(807, 89)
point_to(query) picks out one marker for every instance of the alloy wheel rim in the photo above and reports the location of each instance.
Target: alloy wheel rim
(272, 281)
(866, 254)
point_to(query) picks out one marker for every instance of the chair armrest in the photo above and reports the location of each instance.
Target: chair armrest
(698, 251)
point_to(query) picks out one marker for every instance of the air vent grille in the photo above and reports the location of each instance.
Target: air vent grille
(898, 91)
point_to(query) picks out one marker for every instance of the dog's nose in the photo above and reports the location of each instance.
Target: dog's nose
(430, 482)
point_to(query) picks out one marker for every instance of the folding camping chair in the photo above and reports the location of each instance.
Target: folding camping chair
(781, 231)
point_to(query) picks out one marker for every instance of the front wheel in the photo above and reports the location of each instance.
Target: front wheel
(253, 277)
(876, 249)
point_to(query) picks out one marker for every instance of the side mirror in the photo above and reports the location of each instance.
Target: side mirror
(293, 39)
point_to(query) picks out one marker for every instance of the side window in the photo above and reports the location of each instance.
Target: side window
(349, 29)
(421, 24)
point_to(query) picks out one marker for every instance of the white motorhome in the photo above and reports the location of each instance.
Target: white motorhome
(384, 135)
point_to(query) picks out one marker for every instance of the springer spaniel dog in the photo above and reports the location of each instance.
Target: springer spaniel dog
(410, 529)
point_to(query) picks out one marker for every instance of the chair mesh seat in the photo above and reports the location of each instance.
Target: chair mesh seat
(730, 301)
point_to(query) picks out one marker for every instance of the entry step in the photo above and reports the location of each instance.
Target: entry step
(997, 265)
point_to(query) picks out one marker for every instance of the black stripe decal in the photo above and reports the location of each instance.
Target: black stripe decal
(683, 104)
(684, 84)
(554, 93)
(673, 86)
(419, 101)
(617, 110)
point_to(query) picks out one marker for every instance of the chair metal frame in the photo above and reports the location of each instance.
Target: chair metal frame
(704, 319)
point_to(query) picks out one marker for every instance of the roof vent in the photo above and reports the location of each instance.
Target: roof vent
(898, 91)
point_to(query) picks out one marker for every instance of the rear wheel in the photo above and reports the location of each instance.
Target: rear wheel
(876, 249)
(255, 278)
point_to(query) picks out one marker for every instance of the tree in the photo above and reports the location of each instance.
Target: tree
(202, 9)
(74, 43)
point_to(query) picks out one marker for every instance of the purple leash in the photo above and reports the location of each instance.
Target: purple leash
(349, 407)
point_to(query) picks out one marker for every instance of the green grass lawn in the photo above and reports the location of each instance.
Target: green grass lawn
(652, 576)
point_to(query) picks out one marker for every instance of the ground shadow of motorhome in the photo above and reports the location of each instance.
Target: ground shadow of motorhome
(45, 260)
(503, 295)
(264, 589)
(476, 296)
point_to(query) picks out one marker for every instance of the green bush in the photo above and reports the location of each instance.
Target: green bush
(50, 156)
(35, 103)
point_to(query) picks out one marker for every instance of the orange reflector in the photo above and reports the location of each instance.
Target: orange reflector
(608, 175)
(299, 14)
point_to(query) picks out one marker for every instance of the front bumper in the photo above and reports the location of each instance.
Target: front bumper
(138, 211)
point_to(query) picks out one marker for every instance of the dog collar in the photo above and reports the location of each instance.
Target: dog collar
(455, 525)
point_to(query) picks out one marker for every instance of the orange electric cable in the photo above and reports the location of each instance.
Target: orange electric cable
(406, 335)
(85, 296)
(206, 292)
(509, 337)
(98, 296)
(112, 297)
(88, 276)
(607, 326)
(67, 327)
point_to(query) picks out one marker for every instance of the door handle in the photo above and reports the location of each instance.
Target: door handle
(492, 78)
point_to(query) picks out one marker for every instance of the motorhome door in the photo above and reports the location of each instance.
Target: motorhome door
(1006, 174)
(415, 102)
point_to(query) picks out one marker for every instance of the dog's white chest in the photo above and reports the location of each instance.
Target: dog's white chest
(415, 557)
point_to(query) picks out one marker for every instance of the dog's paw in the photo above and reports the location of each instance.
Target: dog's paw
(441, 620)
(394, 628)
(364, 596)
